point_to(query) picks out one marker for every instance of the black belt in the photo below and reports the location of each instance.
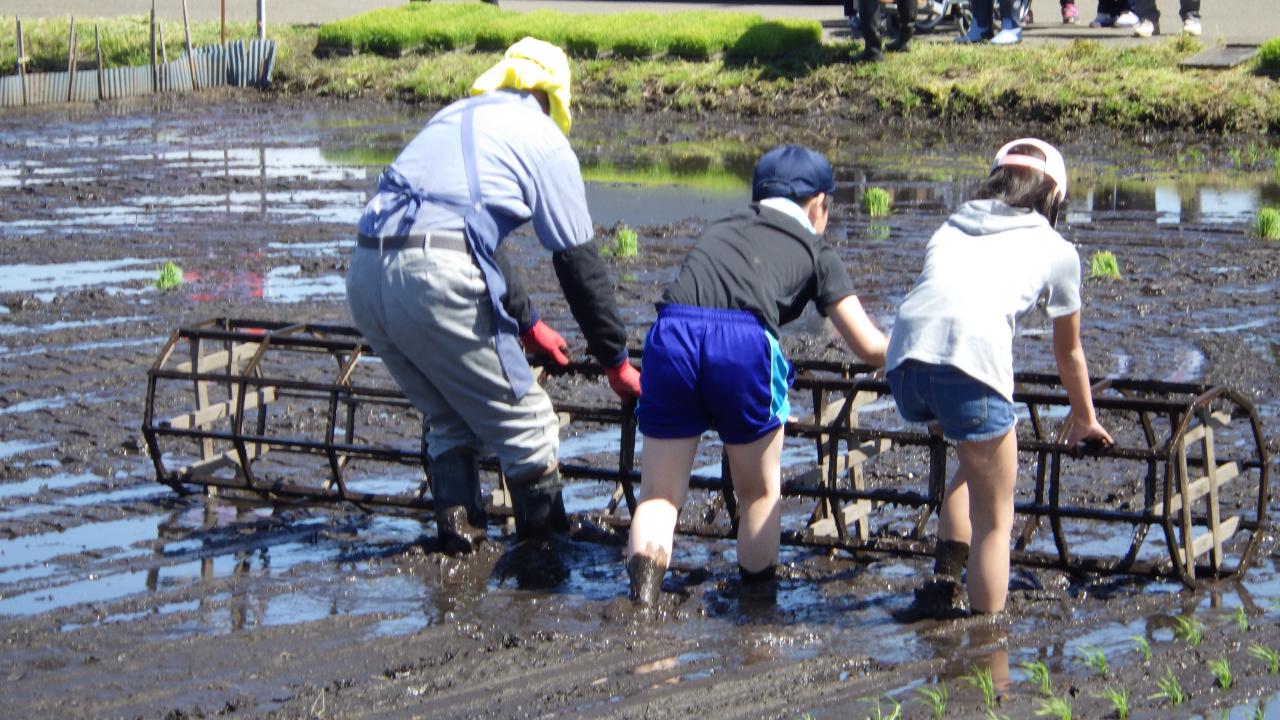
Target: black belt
(438, 239)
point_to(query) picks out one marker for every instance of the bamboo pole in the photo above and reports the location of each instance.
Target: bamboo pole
(262, 19)
(186, 28)
(71, 60)
(22, 62)
(155, 80)
(97, 44)
(164, 58)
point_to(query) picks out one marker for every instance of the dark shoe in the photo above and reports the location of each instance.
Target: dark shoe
(759, 587)
(457, 535)
(455, 492)
(538, 506)
(536, 564)
(645, 575)
(870, 55)
(902, 43)
(941, 598)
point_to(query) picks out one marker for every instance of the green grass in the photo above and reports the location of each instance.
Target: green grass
(1103, 266)
(1038, 675)
(1189, 629)
(1142, 646)
(1241, 619)
(1169, 689)
(1269, 56)
(984, 682)
(877, 202)
(1221, 671)
(1119, 699)
(1270, 658)
(170, 276)
(934, 699)
(1266, 224)
(697, 35)
(1055, 707)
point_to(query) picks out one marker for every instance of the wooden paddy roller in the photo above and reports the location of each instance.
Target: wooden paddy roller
(305, 413)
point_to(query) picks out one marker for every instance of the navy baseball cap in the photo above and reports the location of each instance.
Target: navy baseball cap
(791, 171)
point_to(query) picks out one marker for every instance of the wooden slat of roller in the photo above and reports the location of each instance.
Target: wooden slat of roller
(201, 418)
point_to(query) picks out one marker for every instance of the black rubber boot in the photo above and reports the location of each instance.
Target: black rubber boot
(455, 490)
(759, 587)
(902, 43)
(645, 574)
(538, 506)
(950, 558)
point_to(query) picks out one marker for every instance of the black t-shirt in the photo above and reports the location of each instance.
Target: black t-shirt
(763, 261)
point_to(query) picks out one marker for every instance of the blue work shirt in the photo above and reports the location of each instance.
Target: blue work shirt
(527, 170)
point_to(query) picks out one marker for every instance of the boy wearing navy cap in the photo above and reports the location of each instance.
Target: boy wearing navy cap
(712, 359)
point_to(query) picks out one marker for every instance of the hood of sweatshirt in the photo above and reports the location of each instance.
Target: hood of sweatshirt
(987, 217)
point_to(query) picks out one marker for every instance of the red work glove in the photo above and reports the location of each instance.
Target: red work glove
(542, 340)
(624, 380)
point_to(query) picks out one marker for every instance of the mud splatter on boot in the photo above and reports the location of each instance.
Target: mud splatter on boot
(457, 535)
(645, 571)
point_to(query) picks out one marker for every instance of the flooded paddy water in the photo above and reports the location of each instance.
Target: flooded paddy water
(119, 597)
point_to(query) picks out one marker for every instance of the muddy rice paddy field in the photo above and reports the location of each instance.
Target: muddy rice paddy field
(120, 598)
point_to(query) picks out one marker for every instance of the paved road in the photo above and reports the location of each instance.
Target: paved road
(1225, 21)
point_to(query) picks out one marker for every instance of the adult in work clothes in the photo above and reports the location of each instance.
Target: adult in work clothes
(712, 359)
(427, 291)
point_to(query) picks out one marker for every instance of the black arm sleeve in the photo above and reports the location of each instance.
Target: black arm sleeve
(516, 300)
(586, 286)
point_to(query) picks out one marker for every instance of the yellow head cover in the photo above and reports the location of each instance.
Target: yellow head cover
(532, 64)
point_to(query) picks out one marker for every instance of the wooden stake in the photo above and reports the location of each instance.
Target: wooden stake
(223, 37)
(71, 60)
(155, 79)
(186, 28)
(164, 57)
(97, 44)
(22, 62)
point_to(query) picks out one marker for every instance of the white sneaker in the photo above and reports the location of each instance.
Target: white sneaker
(1011, 36)
(1144, 29)
(1191, 26)
(1126, 19)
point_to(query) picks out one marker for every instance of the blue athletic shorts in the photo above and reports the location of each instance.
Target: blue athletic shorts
(967, 409)
(707, 368)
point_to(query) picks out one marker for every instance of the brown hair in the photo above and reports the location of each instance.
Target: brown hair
(1023, 187)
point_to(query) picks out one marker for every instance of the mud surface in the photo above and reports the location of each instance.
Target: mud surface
(119, 598)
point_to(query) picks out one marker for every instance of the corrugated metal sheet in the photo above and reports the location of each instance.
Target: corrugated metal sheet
(238, 64)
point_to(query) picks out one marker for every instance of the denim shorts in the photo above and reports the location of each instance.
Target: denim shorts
(967, 409)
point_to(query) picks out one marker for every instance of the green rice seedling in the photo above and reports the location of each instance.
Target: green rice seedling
(877, 202)
(1170, 689)
(1260, 712)
(1269, 657)
(934, 698)
(1038, 675)
(878, 232)
(170, 276)
(1266, 224)
(982, 679)
(1094, 658)
(1119, 699)
(1221, 670)
(1103, 266)
(894, 714)
(1055, 707)
(626, 244)
(1142, 646)
(1189, 629)
(1241, 618)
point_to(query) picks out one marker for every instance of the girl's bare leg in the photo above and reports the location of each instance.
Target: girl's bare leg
(757, 481)
(990, 469)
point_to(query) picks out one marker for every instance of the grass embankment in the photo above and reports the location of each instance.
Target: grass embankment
(736, 62)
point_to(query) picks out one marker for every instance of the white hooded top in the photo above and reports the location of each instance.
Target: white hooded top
(987, 266)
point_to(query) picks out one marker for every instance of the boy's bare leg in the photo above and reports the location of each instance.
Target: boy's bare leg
(757, 481)
(990, 469)
(664, 480)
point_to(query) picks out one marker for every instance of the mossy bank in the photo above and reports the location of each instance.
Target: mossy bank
(750, 66)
